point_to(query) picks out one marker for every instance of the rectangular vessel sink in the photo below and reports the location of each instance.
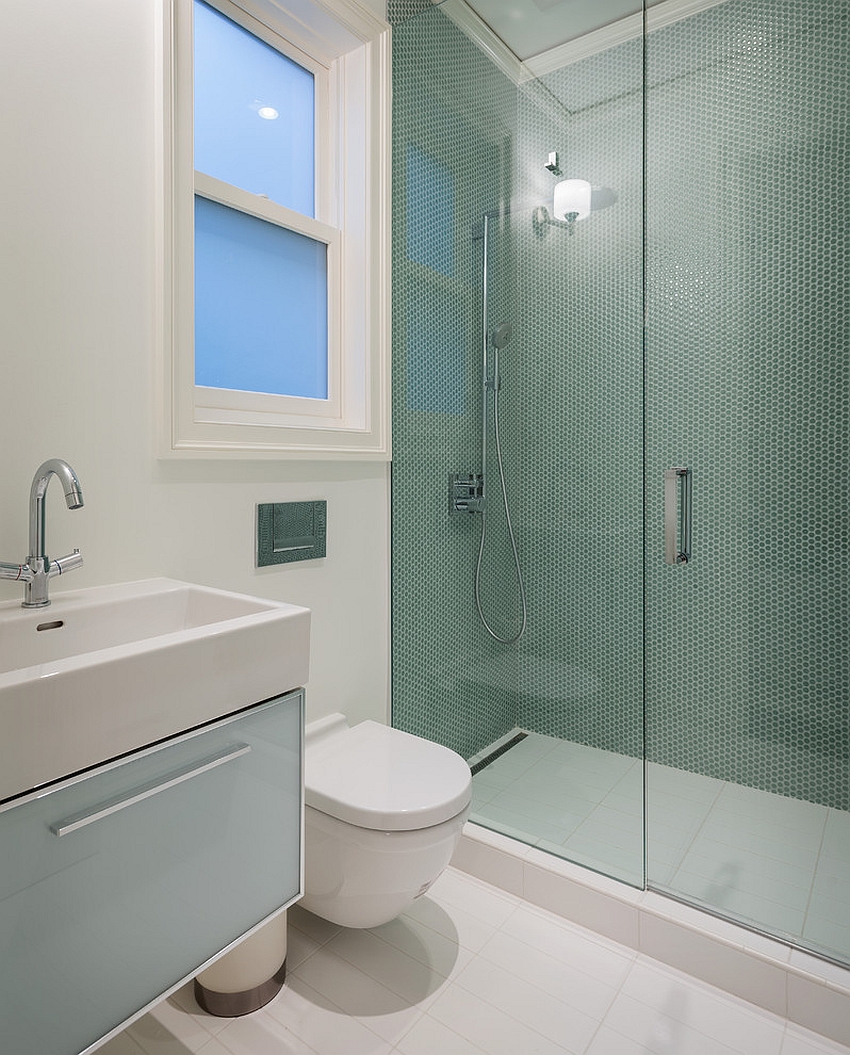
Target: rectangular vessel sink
(107, 670)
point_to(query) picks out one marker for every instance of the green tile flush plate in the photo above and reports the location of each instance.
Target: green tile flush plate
(290, 531)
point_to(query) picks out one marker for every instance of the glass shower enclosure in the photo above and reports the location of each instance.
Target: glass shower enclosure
(647, 200)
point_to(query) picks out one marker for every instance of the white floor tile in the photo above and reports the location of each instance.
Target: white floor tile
(442, 954)
(169, 1030)
(488, 1027)
(836, 836)
(430, 1037)
(799, 1041)
(731, 1022)
(536, 811)
(214, 1047)
(556, 978)
(495, 976)
(627, 798)
(323, 1026)
(452, 923)
(414, 979)
(609, 856)
(661, 1032)
(315, 928)
(706, 855)
(729, 877)
(601, 959)
(741, 850)
(799, 849)
(520, 825)
(481, 795)
(834, 867)
(123, 1044)
(722, 892)
(260, 1034)
(184, 999)
(298, 947)
(764, 809)
(680, 784)
(608, 1042)
(353, 990)
(833, 906)
(473, 896)
(506, 990)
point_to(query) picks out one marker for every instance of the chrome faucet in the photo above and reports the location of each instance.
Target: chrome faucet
(39, 568)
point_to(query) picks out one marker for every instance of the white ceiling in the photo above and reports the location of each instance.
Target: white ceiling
(530, 27)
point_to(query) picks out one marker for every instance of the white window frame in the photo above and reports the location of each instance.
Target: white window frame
(347, 49)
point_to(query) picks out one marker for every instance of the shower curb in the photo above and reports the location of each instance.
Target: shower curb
(806, 990)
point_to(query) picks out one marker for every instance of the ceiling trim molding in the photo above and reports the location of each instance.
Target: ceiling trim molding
(473, 25)
(476, 29)
(657, 17)
(521, 73)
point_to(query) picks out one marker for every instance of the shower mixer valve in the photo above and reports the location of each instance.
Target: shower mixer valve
(466, 493)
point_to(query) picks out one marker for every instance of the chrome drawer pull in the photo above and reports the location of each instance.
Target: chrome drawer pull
(146, 791)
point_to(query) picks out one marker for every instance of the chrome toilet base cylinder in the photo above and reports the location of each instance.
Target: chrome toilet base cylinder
(247, 977)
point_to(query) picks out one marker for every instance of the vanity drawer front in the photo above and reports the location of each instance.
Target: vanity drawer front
(118, 885)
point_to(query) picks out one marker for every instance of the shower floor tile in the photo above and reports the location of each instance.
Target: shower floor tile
(578, 802)
(471, 970)
(767, 860)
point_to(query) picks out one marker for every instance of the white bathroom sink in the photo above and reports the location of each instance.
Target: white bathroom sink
(110, 669)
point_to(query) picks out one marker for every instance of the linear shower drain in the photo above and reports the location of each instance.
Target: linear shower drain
(497, 753)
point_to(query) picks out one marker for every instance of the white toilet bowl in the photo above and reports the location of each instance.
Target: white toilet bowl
(384, 813)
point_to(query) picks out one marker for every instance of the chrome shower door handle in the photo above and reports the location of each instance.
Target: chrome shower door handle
(677, 515)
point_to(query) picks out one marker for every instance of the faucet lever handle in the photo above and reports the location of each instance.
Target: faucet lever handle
(62, 564)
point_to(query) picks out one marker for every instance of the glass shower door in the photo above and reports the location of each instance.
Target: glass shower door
(551, 722)
(747, 714)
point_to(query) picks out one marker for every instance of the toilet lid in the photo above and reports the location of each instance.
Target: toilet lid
(378, 777)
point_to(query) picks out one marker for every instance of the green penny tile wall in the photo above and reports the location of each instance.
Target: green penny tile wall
(719, 156)
(571, 419)
(748, 383)
(574, 412)
(450, 108)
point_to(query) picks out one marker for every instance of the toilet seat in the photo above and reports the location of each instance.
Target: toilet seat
(374, 776)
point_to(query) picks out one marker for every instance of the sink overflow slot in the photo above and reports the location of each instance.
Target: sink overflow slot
(54, 624)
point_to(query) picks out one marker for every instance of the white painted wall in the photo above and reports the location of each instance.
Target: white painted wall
(78, 305)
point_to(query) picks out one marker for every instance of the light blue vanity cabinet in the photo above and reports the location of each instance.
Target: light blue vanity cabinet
(118, 884)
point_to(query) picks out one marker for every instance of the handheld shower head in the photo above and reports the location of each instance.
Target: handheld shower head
(500, 335)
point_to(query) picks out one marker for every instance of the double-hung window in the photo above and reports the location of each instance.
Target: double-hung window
(277, 341)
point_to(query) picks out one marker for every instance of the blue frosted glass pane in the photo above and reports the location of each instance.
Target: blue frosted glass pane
(261, 305)
(430, 212)
(238, 80)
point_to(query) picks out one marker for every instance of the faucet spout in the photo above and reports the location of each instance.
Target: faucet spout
(38, 563)
(73, 499)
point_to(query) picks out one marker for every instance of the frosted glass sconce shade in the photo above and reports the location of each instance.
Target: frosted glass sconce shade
(572, 200)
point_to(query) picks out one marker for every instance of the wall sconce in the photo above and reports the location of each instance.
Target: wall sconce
(572, 200)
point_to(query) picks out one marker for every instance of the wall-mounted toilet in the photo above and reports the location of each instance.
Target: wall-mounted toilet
(384, 813)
